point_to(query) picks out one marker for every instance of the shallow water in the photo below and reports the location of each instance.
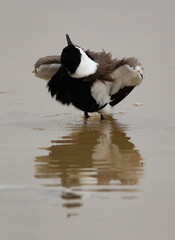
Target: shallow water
(63, 177)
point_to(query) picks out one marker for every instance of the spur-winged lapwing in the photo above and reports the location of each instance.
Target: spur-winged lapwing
(89, 80)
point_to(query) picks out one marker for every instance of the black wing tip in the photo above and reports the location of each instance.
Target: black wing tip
(120, 95)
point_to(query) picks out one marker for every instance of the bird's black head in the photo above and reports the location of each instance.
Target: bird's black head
(77, 63)
(70, 57)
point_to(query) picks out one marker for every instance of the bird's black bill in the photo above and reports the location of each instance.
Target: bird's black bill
(69, 42)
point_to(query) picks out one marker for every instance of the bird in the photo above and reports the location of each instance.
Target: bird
(89, 80)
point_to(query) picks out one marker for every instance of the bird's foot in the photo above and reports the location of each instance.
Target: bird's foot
(102, 117)
(86, 115)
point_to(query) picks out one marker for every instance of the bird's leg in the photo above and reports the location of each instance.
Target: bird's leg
(102, 117)
(86, 115)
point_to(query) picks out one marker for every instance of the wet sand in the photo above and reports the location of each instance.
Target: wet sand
(63, 177)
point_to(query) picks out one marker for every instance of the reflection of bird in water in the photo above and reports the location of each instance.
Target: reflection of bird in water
(93, 154)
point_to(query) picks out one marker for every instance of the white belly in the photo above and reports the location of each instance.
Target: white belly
(101, 92)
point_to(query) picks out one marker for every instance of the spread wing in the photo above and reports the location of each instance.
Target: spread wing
(127, 75)
(46, 67)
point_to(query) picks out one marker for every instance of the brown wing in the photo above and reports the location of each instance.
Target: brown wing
(129, 72)
(47, 60)
(46, 67)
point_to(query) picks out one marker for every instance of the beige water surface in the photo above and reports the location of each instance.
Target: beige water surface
(63, 177)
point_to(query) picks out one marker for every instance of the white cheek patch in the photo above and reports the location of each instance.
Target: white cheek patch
(46, 71)
(86, 67)
(126, 76)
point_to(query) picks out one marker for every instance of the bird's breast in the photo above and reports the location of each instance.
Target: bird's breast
(74, 91)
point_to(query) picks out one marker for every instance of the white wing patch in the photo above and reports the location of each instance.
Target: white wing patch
(126, 76)
(46, 71)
